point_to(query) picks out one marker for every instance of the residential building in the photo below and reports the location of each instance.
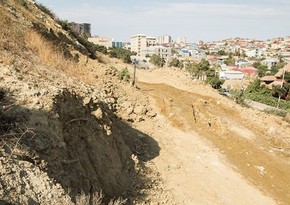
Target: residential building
(101, 41)
(240, 63)
(249, 71)
(151, 41)
(117, 44)
(83, 28)
(126, 45)
(164, 40)
(230, 74)
(162, 51)
(184, 53)
(181, 40)
(180, 43)
(270, 62)
(255, 52)
(138, 44)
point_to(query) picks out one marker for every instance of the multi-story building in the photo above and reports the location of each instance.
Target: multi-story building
(181, 40)
(82, 28)
(151, 41)
(102, 41)
(138, 44)
(117, 44)
(164, 40)
(161, 51)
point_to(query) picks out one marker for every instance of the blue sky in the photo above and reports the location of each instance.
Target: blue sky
(194, 19)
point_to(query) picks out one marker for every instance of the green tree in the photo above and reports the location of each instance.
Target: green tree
(121, 53)
(221, 52)
(198, 70)
(215, 82)
(176, 63)
(262, 69)
(124, 75)
(277, 67)
(157, 60)
(254, 86)
(230, 60)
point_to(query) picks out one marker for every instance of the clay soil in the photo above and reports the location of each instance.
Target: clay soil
(214, 151)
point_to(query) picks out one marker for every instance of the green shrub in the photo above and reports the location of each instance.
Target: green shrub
(91, 48)
(176, 63)
(45, 10)
(215, 82)
(65, 25)
(121, 53)
(124, 74)
(157, 60)
(23, 3)
(280, 113)
(262, 94)
(238, 96)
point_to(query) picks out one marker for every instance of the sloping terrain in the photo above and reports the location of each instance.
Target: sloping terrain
(71, 129)
(61, 141)
(251, 143)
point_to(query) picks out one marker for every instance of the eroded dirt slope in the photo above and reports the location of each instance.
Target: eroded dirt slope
(253, 145)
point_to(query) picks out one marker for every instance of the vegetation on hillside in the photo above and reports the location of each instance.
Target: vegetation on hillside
(124, 75)
(260, 93)
(175, 62)
(121, 53)
(230, 60)
(44, 9)
(262, 69)
(89, 46)
(204, 71)
(157, 60)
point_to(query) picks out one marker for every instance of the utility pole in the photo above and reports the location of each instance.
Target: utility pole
(134, 77)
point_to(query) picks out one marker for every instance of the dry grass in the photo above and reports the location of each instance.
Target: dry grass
(11, 36)
(53, 57)
(13, 46)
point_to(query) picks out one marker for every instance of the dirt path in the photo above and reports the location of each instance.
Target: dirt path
(213, 151)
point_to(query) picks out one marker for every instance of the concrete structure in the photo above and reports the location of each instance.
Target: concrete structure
(184, 53)
(163, 52)
(181, 40)
(270, 62)
(117, 44)
(101, 41)
(138, 44)
(254, 53)
(164, 40)
(126, 45)
(229, 74)
(151, 41)
(83, 28)
(240, 63)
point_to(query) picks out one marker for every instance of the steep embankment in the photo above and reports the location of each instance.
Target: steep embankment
(60, 140)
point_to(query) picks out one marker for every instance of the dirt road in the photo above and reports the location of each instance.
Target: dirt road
(215, 152)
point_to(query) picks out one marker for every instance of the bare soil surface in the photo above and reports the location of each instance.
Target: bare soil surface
(212, 150)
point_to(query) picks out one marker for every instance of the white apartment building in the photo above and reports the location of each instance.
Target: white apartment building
(181, 40)
(151, 41)
(163, 52)
(164, 40)
(101, 41)
(138, 44)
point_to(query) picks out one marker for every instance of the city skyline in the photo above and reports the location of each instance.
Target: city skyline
(195, 20)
